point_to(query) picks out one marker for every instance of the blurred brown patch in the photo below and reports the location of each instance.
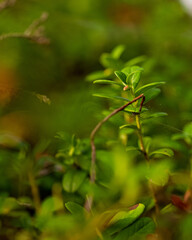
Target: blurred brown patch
(18, 124)
(8, 85)
(126, 15)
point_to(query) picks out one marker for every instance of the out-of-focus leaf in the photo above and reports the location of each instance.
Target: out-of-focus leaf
(151, 93)
(147, 143)
(111, 97)
(98, 75)
(121, 75)
(103, 81)
(188, 132)
(146, 87)
(158, 173)
(75, 208)
(124, 218)
(73, 179)
(131, 148)
(136, 60)
(50, 205)
(128, 126)
(185, 228)
(154, 115)
(141, 227)
(179, 203)
(117, 51)
(163, 151)
(109, 62)
(168, 209)
(7, 204)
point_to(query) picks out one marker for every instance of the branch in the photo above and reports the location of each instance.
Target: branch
(35, 31)
(89, 200)
(6, 4)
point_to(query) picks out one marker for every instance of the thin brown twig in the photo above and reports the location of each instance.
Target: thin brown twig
(6, 4)
(35, 31)
(89, 200)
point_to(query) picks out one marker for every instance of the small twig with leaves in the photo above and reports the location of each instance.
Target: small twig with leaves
(35, 32)
(89, 201)
(6, 4)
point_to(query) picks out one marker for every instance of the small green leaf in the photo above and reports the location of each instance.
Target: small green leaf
(109, 62)
(111, 97)
(73, 179)
(126, 70)
(135, 61)
(124, 218)
(131, 109)
(146, 87)
(50, 205)
(117, 51)
(135, 76)
(163, 151)
(151, 93)
(141, 227)
(107, 82)
(121, 76)
(128, 126)
(75, 208)
(130, 148)
(98, 75)
(155, 115)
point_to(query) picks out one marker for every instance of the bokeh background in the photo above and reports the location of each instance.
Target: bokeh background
(79, 32)
(44, 90)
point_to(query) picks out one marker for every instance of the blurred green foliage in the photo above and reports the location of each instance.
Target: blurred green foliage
(46, 96)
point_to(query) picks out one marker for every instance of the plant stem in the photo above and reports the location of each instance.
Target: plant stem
(34, 191)
(146, 156)
(89, 201)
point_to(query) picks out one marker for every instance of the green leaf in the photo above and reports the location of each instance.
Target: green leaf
(132, 126)
(126, 70)
(147, 143)
(121, 76)
(98, 75)
(117, 51)
(158, 173)
(151, 93)
(111, 97)
(163, 151)
(107, 82)
(73, 179)
(135, 61)
(130, 148)
(141, 227)
(155, 115)
(75, 208)
(50, 205)
(124, 218)
(132, 109)
(133, 75)
(109, 62)
(146, 87)
(188, 132)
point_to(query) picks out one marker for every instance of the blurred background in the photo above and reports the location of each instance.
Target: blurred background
(79, 31)
(44, 90)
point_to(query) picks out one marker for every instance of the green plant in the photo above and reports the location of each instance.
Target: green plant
(126, 88)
